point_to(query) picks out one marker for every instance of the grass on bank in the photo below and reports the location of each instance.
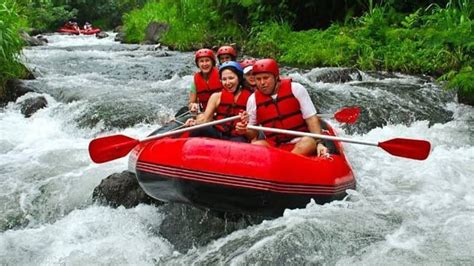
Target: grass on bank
(10, 43)
(434, 41)
(193, 24)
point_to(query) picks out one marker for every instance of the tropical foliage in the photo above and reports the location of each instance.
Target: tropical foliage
(420, 36)
(193, 23)
(10, 42)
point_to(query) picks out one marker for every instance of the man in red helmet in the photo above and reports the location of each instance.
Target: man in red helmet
(284, 104)
(226, 53)
(206, 80)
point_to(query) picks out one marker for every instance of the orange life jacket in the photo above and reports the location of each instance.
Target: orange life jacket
(284, 112)
(227, 108)
(204, 88)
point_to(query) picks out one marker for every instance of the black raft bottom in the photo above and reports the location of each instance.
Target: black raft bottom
(226, 198)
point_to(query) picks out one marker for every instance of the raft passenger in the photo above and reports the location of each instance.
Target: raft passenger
(206, 80)
(281, 103)
(226, 53)
(229, 102)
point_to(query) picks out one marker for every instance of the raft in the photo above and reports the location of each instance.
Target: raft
(236, 177)
(69, 30)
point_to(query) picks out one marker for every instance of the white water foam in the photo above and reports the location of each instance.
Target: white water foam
(403, 212)
(92, 236)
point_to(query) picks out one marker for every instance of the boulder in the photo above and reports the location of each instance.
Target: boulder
(185, 226)
(334, 75)
(33, 41)
(118, 29)
(31, 105)
(154, 31)
(101, 35)
(122, 189)
(465, 97)
(120, 37)
(14, 88)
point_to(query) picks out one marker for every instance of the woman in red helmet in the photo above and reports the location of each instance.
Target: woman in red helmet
(229, 102)
(226, 53)
(247, 65)
(206, 80)
(284, 104)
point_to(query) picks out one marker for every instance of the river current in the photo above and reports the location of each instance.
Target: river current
(403, 212)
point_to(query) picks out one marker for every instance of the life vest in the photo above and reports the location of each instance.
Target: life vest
(204, 88)
(283, 112)
(227, 108)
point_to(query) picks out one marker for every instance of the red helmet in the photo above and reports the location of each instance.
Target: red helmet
(227, 50)
(205, 53)
(247, 62)
(266, 66)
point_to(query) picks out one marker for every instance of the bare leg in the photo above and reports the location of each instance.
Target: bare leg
(261, 143)
(306, 146)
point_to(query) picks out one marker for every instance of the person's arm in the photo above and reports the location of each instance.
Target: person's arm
(211, 107)
(313, 124)
(309, 115)
(248, 117)
(193, 105)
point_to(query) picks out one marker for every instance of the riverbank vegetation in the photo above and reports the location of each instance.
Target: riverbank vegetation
(10, 43)
(415, 37)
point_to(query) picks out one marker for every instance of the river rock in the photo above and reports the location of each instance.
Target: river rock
(154, 31)
(122, 189)
(33, 41)
(334, 75)
(14, 88)
(186, 226)
(120, 37)
(31, 105)
(118, 29)
(101, 35)
(465, 97)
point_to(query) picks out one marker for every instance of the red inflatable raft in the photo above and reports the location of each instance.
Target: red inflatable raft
(239, 177)
(70, 30)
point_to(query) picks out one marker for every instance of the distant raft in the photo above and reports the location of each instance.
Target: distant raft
(70, 30)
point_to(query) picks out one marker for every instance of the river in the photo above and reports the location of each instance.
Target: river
(403, 211)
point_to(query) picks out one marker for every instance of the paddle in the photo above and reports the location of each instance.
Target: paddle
(347, 115)
(408, 148)
(109, 148)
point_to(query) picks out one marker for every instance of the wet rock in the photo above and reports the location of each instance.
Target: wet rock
(465, 97)
(118, 29)
(186, 227)
(154, 31)
(101, 35)
(334, 75)
(121, 189)
(31, 105)
(33, 41)
(14, 88)
(120, 37)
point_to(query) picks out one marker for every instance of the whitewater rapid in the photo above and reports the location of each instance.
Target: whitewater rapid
(403, 211)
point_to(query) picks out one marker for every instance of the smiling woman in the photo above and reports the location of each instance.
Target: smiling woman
(229, 102)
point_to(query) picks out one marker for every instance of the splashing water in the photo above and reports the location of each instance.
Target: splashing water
(403, 211)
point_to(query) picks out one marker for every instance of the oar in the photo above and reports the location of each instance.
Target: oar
(347, 115)
(109, 148)
(408, 148)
